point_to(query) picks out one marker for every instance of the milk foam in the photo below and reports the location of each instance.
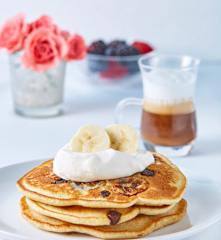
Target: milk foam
(168, 86)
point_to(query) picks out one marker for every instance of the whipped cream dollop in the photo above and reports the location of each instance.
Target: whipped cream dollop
(107, 164)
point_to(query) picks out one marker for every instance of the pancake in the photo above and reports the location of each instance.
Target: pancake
(140, 226)
(162, 183)
(95, 216)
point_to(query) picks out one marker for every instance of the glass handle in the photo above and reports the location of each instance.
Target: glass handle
(119, 115)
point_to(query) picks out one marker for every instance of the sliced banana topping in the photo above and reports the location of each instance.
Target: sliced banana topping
(123, 138)
(90, 138)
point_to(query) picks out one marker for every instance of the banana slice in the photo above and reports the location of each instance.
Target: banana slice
(123, 138)
(90, 138)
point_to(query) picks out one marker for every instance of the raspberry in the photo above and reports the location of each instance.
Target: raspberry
(97, 47)
(114, 71)
(142, 47)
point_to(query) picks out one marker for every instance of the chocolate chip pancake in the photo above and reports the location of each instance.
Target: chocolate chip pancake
(139, 226)
(162, 183)
(95, 216)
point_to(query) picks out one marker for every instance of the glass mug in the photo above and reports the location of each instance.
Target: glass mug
(168, 121)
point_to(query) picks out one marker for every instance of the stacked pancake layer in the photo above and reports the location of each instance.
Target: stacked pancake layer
(128, 207)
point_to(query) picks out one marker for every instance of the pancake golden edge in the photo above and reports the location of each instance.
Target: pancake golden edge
(139, 226)
(94, 216)
(157, 196)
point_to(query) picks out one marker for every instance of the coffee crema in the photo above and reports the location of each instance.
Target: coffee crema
(168, 124)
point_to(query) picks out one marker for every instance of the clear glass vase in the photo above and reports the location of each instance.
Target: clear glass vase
(36, 94)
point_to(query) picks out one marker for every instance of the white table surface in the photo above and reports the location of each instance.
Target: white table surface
(24, 139)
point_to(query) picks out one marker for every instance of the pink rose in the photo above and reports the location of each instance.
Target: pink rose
(12, 33)
(43, 49)
(43, 21)
(65, 34)
(76, 48)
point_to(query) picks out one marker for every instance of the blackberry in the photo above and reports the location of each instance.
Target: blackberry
(127, 51)
(131, 65)
(117, 43)
(97, 47)
(114, 46)
(111, 51)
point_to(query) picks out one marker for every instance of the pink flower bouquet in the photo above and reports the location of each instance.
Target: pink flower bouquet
(42, 42)
(39, 51)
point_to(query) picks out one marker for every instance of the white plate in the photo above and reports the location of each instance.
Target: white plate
(204, 209)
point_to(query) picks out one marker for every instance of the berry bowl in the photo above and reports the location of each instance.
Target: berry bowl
(111, 69)
(114, 62)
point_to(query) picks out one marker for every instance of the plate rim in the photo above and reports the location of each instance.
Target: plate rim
(176, 235)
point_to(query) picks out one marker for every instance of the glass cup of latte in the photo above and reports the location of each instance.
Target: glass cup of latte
(168, 121)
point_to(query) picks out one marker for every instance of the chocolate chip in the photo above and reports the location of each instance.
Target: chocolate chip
(135, 184)
(114, 217)
(105, 193)
(59, 181)
(78, 183)
(147, 172)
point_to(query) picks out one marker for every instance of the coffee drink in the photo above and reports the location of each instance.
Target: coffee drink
(168, 116)
(168, 124)
(168, 121)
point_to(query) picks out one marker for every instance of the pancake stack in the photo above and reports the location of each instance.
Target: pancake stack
(128, 207)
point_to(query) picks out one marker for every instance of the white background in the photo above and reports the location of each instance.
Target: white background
(190, 27)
